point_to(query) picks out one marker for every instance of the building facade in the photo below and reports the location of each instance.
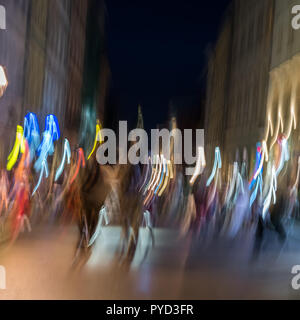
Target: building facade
(56, 66)
(283, 104)
(49, 65)
(35, 56)
(76, 55)
(96, 74)
(12, 58)
(217, 89)
(238, 81)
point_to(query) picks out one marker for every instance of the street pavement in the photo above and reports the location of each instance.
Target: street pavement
(38, 266)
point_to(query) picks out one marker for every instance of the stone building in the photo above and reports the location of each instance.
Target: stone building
(76, 55)
(35, 56)
(56, 66)
(283, 104)
(238, 81)
(217, 89)
(96, 74)
(50, 66)
(12, 58)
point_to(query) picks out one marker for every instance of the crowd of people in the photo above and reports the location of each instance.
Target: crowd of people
(46, 182)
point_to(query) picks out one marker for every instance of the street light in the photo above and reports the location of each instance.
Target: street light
(3, 81)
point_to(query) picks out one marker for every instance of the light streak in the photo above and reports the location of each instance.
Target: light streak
(158, 173)
(265, 150)
(52, 126)
(155, 179)
(19, 146)
(146, 174)
(23, 163)
(98, 137)
(51, 133)
(240, 183)
(272, 192)
(200, 165)
(46, 147)
(254, 193)
(43, 171)
(279, 125)
(163, 173)
(3, 81)
(235, 183)
(4, 191)
(267, 179)
(213, 193)
(269, 128)
(32, 133)
(80, 162)
(31, 128)
(147, 219)
(257, 164)
(284, 154)
(169, 176)
(166, 180)
(171, 169)
(67, 154)
(154, 171)
(217, 164)
(263, 156)
(102, 216)
(292, 123)
(297, 178)
(232, 182)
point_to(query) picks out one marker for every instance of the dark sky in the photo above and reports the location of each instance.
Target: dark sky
(157, 50)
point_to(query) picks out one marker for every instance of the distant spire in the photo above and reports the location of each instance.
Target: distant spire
(140, 121)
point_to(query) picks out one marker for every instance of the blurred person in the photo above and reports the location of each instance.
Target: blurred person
(20, 197)
(189, 213)
(4, 189)
(131, 212)
(278, 213)
(258, 221)
(85, 196)
(240, 212)
(200, 196)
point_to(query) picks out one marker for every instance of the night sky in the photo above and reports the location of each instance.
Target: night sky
(157, 50)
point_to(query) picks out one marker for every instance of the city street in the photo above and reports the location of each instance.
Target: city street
(149, 150)
(38, 267)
